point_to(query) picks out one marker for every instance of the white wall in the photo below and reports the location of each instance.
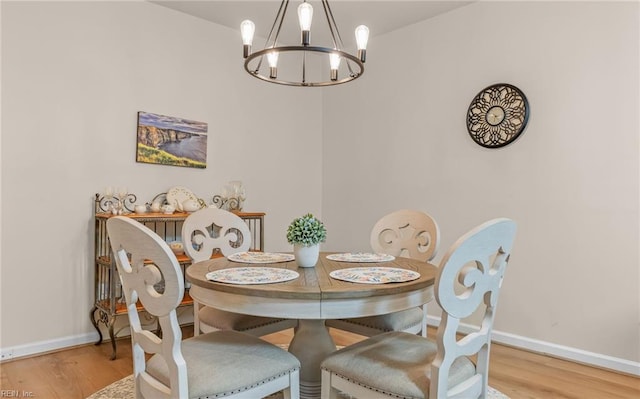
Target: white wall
(397, 138)
(74, 76)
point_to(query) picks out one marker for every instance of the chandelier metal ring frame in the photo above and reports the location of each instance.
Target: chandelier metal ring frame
(354, 64)
(262, 53)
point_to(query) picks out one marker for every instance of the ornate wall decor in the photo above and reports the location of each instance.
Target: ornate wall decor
(497, 115)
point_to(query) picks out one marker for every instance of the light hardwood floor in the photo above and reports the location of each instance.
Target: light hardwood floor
(76, 373)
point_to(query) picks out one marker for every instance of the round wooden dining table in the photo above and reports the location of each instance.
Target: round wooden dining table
(313, 297)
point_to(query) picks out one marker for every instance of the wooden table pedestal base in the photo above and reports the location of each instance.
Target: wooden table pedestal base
(311, 343)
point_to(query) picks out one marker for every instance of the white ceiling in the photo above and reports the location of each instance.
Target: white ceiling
(380, 16)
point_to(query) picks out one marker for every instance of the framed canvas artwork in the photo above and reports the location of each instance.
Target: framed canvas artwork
(168, 140)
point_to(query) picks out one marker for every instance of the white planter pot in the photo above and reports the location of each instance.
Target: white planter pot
(306, 256)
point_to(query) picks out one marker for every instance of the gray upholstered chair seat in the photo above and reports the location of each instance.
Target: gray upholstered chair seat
(409, 320)
(213, 361)
(396, 363)
(254, 325)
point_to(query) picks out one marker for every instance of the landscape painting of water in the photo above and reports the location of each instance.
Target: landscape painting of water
(168, 140)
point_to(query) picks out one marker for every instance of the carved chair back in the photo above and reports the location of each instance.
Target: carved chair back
(469, 277)
(151, 274)
(409, 233)
(211, 229)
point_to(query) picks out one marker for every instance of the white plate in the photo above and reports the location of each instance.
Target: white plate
(177, 195)
(260, 257)
(252, 275)
(375, 275)
(361, 257)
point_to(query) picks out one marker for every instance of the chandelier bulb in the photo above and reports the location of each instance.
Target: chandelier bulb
(305, 16)
(334, 63)
(272, 58)
(334, 60)
(247, 29)
(362, 37)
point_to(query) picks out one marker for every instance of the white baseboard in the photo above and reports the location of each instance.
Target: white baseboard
(555, 350)
(40, 347)
(185, 316)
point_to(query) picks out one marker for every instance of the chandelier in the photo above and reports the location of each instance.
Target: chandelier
(304, 65)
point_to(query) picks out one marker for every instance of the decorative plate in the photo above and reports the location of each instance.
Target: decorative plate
(177, 195)
(260, 257)
(252, 275)
(361, 257)
(375, 275)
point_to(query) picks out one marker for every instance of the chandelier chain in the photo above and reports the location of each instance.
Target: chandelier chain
(332, 22)
(339, 44)
(282, 11)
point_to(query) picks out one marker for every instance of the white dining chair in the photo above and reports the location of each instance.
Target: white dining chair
(226, 364)
(204, 233)
(409, 233)
(403, 365)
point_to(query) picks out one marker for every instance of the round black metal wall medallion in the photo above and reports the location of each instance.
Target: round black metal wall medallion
(497, 115)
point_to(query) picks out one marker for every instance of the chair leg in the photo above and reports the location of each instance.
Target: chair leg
(196, 320)
(293, 391)
(424, 320)
(326, 390)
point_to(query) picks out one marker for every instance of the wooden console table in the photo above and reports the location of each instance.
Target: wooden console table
(109, 300)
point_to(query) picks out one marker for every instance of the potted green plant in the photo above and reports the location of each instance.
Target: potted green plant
(306, 233)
